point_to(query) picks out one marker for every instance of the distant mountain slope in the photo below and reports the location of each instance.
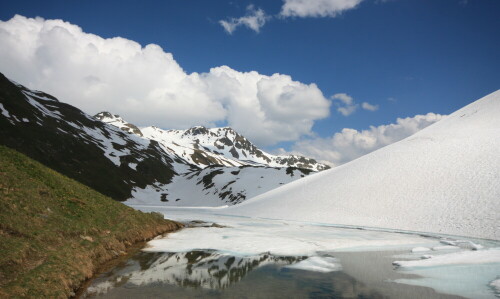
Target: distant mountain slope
(217, 186)
(65, 139)
(444, 179)
(216, 146)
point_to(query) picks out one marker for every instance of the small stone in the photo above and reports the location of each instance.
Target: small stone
(88, 238)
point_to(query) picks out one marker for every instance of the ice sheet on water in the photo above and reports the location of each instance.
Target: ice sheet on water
(318, 264)
(420, 249)
(465, 244)
(462, 273)
(456, 258)
(247, 236)
(445, 247)
(470, 280)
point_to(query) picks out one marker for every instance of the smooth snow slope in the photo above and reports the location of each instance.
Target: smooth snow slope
(444, 179)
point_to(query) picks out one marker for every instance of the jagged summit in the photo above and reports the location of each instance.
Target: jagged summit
(104, 114)
(197, 130)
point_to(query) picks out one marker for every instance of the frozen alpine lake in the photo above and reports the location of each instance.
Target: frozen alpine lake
(226, 256)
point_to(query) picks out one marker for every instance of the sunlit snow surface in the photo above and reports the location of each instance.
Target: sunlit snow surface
(466, 268)
(444, 179)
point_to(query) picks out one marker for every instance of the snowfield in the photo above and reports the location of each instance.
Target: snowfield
(216, 186)
(444, 179)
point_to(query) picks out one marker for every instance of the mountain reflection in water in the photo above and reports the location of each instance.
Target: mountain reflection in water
(216, 274)
(197, 268)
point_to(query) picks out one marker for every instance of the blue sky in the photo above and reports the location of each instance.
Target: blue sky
(425, 55)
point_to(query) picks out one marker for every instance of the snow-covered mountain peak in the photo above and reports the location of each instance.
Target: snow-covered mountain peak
(117, 121)
(225, 146)
(107, 116)
(212, 146)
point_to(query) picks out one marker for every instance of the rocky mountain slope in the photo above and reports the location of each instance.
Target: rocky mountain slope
(114, 159)
(75, 144)
(443, 179)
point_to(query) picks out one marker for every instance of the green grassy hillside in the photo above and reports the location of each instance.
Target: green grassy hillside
(55, 232)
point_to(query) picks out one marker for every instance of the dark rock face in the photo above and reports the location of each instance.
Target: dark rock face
(104, 114)
(300, 162)
(234, 153)
(198, 130)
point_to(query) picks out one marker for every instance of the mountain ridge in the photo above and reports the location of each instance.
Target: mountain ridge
(213, 146)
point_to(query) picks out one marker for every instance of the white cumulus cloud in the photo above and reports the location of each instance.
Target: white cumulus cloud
(254, 19)
(350, 144)
(316, 8)
(346, 105)
(146, 86)
(369, 107)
